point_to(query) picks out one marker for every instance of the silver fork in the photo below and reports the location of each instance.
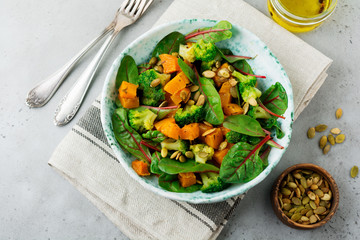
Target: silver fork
(128, 13)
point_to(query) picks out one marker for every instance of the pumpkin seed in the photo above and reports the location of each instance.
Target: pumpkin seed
(309, 181)
(209, 74)
(175, 54)
(252, 101)
(153, 61)
(325, 213)
(296, 201)
(323, 203)
(201, 100)
(322, 142)
(307, 172)
(233, 82)
(311, 132)
(303, 182)
(283, 183)
(305, 200)
(340, 138)
(307, 206)
(207, 123)
(299, 209)
(155, 82)
(203, 154)
(190, 102)
(189, 154)
(317, 200)
(174, 154)
(182, 158)
(183, 95)
(331, 139)
(326, 197)
(233, 92)
(309, 213)
(313, 219)
(304, 211)
(223, 145)
(224, 72)
(160, 69)
(285, 191)
(311, 195)
(178, 156)
(296, 217)
(302, 189)
(214, 69)
(288, 214)
(319, 193)
(326, 149)
(320, 210)
(194, 88)
(217, 64)
(312, 204)
(287, 206)
(246, 108)
(298, 192)
(325, 189)
(199, 182)
(335, 131)
(338, 113)
(291, 195)
(292, 185)
(314, 187)
(297, 175)
(164, 152)
(321, 127)
(304, 219)
(208, 132)
(231, 68)
(354, 171)
(196, 96)
(286, 200)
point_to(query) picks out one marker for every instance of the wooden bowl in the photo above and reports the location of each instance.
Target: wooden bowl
(333, 187)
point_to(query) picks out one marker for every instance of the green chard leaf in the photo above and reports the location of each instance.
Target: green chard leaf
(169, 44)
(244, 124)
(143, 67)
(242, 163)
(172, 184)
(275, 99)
(212, 107)
(243, 66)
(219, 32)
(154, 166)
(128, 71)
(171, 166)
(229, 57)
(127, 137)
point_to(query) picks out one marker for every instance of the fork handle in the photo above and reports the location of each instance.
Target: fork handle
(42, 93)
(70, 104)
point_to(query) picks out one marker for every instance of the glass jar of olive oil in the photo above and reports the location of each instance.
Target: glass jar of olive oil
(300, 15)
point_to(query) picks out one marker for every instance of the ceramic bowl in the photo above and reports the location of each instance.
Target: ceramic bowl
(275, 195)
(243, 42)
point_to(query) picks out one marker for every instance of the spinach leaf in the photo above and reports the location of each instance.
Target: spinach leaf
(172, 184)
(128, 72)
(190, 74)
(219, 32)
(127, 137)
(229, 57)
(275, 99)
(161, 112)
(143, 67)
(264, 156)
(155, 159)
(170, 43)
(244, 124)
(212, 108)
(171, 166)
(242, 163)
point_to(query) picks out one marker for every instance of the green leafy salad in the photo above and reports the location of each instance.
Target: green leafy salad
(193, 115)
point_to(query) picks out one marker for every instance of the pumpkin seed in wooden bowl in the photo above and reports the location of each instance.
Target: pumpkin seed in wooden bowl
(305, 196)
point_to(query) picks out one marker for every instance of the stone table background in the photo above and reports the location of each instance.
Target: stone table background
(37, 37)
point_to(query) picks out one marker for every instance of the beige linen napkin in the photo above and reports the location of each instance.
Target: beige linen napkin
(86, 160)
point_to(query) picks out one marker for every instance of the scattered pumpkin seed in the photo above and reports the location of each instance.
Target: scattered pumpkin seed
(209, 74)
(190, 102)
(178, 156)
(155, 82)
(233, 92)
(164, 152)
(326, 149)
(340, 138)
(214, 69)
(231, 68)
(335, 131)
(311, 133)
(354, 171)
(201, 100)
(189, 154)
(153, 61)
(194, 88)
(223, 145)
(322, 142)
(208, 132)
(246, 107)
(174, 154)
(183, 95)
(217, 64)
(182, 158)
(233, 82)
(331, 139)
(196, 96)
(203, 154)
(338, 113)
(207, 123)
(160, 69)
(252, 101)
(321, 127)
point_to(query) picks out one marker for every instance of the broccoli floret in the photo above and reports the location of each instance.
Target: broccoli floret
(155, 136)
(247, 92)
(212, 182)
(190, 114)
(204, 51)
(202, 152)
(235, 137)
(187, 53)
(246, 79)
(207, 65)
(151, 95)
(141, 119)
(178, 145)
(258, 112)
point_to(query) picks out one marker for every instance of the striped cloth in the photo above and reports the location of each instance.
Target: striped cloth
(85, 158)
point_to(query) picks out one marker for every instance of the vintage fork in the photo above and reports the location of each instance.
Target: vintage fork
(129, 12)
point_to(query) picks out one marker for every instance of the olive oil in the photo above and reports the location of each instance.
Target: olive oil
(300, 15)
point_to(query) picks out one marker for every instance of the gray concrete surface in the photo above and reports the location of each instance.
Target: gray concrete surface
(36, 203)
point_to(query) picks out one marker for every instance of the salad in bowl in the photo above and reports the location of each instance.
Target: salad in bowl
(195, 118)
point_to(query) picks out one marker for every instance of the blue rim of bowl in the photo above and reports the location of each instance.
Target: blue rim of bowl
(172, 195)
